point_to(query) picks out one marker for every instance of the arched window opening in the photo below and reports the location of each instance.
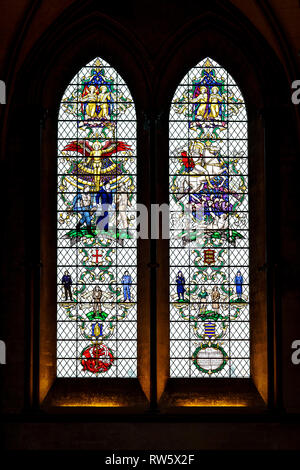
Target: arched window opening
(209, 241)
(96, 212)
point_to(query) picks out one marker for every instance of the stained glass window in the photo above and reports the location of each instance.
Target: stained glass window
(96, 214)
(209, 241)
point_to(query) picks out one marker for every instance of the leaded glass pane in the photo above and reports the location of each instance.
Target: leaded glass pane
(209, 241)
(96, 213)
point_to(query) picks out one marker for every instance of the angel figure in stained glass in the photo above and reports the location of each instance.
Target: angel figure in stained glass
(211, 101)
(104, 100)
(99, 103)
(97, 97)
(90, 99)
(98, 168)
(215, 101)
(201, 109)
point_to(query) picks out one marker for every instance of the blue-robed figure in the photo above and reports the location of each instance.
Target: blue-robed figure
(67, 283)
(84, 203)
(105, 196)
(180, 281)
(239, 284)
(126, 281)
